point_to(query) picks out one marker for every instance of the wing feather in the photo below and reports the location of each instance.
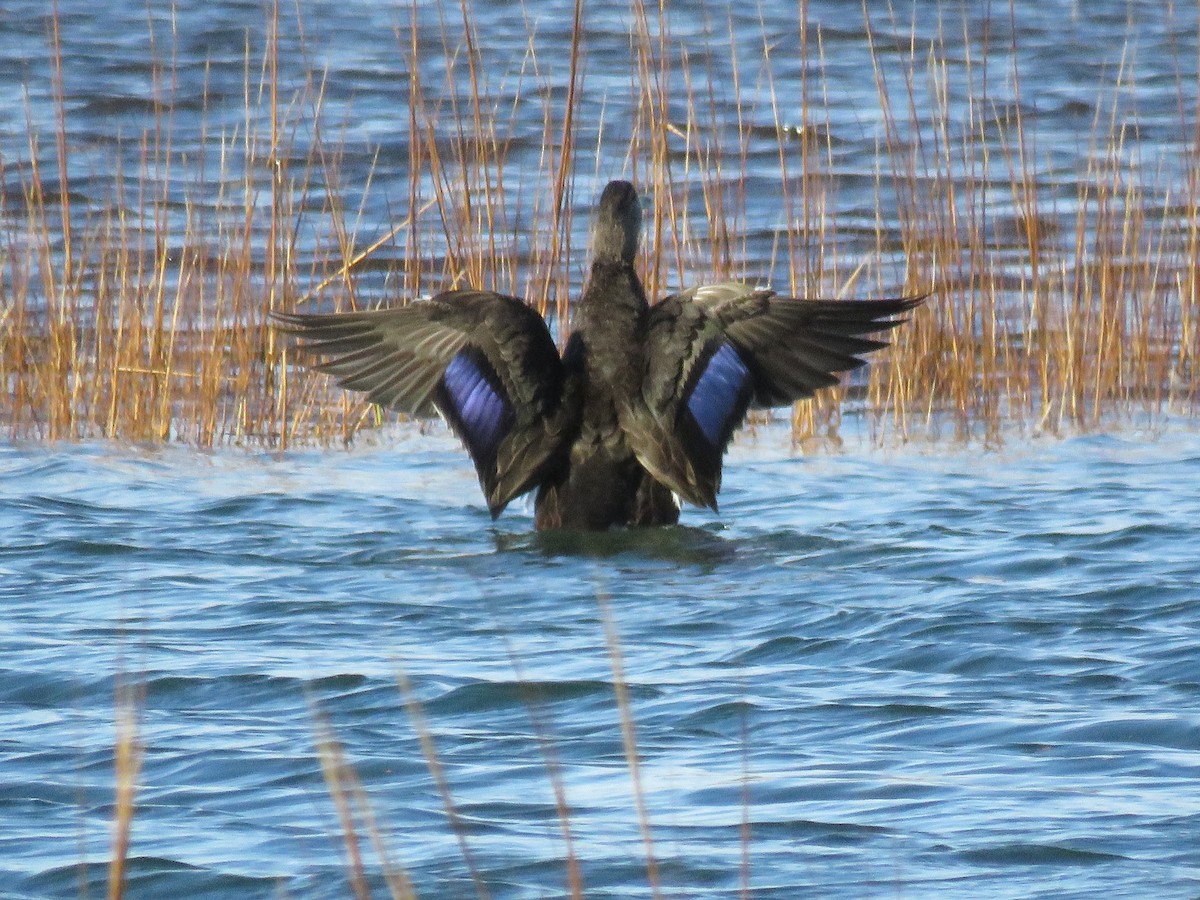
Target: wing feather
(717, 350)
(486, 361)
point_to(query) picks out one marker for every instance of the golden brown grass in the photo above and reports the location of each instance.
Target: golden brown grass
(629, 742)
(120, 320)
(127, 765)
(360, 828)
(356, 816)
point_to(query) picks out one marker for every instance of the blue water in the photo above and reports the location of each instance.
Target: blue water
(1070, 70)
(925, 670)
(910, 671)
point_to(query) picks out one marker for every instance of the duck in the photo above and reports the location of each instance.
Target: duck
(636, 412)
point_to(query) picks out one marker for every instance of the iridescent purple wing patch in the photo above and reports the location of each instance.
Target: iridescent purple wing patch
(720, 395)
(475, 403)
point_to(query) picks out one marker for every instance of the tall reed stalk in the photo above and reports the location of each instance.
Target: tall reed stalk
(140, 312)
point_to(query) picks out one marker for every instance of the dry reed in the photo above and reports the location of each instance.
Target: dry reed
(136, 316)
(416, 715)
(629, 742)
(128, 766)
(553, 765)
(360, 827)
(356, 815)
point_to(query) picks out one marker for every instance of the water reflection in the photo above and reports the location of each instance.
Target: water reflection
(705, 546)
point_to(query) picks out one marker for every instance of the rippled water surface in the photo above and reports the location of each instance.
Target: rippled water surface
(875, 674)
(735, 80)
(926, 671)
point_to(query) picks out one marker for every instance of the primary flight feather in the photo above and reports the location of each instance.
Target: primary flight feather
(641, 404)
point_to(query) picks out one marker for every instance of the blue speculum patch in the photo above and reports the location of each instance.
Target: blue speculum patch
(718, 392)
(482, 410)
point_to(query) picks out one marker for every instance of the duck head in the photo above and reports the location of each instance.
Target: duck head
(618, 224)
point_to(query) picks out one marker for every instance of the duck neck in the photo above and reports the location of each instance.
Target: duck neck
(611, 326)
(613, 291)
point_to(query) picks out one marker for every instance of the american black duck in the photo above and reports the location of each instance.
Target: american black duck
(640, 406)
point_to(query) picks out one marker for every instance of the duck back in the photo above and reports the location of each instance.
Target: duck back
(602, 483)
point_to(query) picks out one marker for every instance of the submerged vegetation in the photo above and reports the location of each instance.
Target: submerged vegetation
(133, 304)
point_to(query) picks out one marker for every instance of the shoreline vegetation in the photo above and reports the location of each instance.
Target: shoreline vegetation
(134, 311)
(137, 311)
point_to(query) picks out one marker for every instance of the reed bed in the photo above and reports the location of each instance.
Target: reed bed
(137, 309)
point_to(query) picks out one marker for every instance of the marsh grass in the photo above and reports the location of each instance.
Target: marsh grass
(127, 764)
(360, 828)
(356, 818)
(139, 312)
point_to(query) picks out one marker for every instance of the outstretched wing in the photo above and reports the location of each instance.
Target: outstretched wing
(715, 351)
(486, 361)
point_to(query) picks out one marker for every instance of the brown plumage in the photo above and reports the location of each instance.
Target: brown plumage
(643, 401)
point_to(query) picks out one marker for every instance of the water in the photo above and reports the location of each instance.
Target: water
(1070, 70)
(900, 673)
(911, 671)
